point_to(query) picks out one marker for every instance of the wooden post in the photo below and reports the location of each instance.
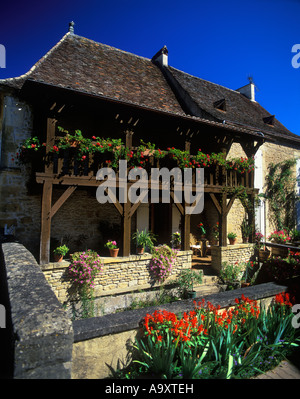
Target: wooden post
(45, 223)
(223, 221)
(186, 226)
(126, 224)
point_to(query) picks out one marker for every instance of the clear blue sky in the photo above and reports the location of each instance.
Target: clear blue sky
(220, 41)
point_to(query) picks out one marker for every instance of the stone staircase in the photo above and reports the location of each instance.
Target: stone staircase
(210, 282)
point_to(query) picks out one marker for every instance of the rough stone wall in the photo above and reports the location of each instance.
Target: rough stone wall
(231, 254)
(237, 211)
(274, 153)
(42, 333)
(119, 275)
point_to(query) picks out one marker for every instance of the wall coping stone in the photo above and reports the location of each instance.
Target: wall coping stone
(107, 260)
(42, 330)
(85, 329)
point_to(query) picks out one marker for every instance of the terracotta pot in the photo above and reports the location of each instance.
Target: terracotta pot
(232, 241)
(114, 252)
(245, 240)
(58, 258)
(245, 285)
(140, 250)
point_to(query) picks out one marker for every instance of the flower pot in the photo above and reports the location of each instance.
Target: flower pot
(263, 255)
(245, 240)
(114, 252)
(243, 285)
(190, 294)
(58, 258)
(140, 250)
(232, 241)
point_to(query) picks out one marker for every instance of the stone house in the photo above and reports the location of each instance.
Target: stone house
(107, 92)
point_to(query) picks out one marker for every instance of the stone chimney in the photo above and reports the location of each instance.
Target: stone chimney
(161, 57)
(71, 27)
(248, 91)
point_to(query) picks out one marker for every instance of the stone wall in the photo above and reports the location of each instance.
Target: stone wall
(232, 254)
(101, 341)
(41, 332)
(47, 345)
(121, 275)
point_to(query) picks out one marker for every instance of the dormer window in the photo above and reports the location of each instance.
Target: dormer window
(269, 120)
(220, 105)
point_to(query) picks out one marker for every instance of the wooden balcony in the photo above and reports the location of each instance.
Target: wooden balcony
(67, 168)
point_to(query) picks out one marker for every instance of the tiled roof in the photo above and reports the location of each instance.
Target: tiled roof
(86, 66)
(238, 109)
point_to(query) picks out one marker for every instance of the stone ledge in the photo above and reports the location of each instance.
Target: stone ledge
(107, 260)
(42, 332)
(124, 321)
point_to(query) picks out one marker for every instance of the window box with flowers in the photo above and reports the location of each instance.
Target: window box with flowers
(280, 237)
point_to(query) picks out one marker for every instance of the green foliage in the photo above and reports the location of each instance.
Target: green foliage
(61, 250)
(144, 239)
(186, 280)
(280, 194)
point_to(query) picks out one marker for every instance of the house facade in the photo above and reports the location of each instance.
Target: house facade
(110, 94)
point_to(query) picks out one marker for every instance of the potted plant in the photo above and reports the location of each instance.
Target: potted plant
(113, 248)
(248, 274)
(186, 280)
(230, 274)
(176, 240)
(263, 252)
(202, 230)
(232, 238)
(144, 239)
(60, 252)
(246, 230)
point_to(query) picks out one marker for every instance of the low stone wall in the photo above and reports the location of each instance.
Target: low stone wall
(120, 277)
(41, 334)
(46, 344)
(100, 342)
(231, 254)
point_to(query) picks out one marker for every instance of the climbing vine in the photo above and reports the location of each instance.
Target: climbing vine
(280, 194)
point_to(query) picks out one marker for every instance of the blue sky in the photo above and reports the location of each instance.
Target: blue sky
(221, 41)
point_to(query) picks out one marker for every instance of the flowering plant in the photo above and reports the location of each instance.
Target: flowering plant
(163, 258)
(202, 229)
(84, 267)
(111, 244)
(280, 237)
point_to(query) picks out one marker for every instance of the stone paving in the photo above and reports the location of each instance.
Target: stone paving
(286, 370)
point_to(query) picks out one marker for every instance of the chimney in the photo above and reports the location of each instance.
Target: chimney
(71, 27)
(161, 57)
(248, 91)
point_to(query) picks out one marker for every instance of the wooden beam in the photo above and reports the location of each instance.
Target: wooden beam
(178, 205)
(229, 205)
(45, 223)
(216, 202)
(62, 199)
